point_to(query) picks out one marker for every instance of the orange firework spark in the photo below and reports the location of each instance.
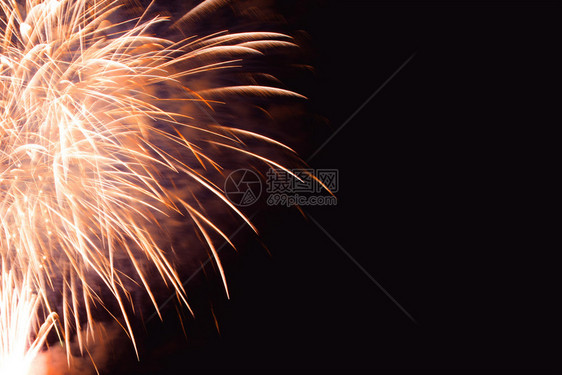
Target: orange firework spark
(87, 151)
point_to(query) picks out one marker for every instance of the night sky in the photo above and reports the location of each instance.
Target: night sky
(448, 200)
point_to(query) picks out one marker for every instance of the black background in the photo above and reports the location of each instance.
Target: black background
(449, 182)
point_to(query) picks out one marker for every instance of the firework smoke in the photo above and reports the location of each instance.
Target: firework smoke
(55, 360)
(102, 141)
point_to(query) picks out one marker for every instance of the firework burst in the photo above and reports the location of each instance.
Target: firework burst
(89, 153)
